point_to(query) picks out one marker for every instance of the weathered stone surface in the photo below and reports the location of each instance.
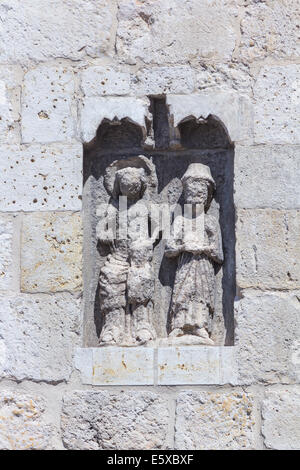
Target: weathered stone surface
(40, 177)
(94, 110)
(281, 419)
(22, 422)
(51, 252)
(116, 366)
(128, 420)
(233, 110)
(7, 268)
(270, 28)
(267, 337)
(38, 335)
(48, 110)
(97, 81)
(10, 87)
(210, 420)
(267, 176)
(196, 365)
(276, 111)
(43, 30)
(160, 80)
(154, 32)
(233, 76)
(267, 242)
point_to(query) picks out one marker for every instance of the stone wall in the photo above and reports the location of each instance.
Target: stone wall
(64, 64)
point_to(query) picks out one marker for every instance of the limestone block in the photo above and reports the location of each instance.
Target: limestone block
(95, 109)
(277, 101)
(116, 366)
(8, 270)
(267, 337)
(196, 365)
(160, 80)
(128, 420)
(41, 177)
(51, 252)
(233, 76)
(214, 421)
(270, 29)
(154, 32)
(267, 176)
(97, 81)
(10, 87)
(267, 243)
(43, 30)
(233, 110)
(281, 419)
(48, 110)
(38, 334)
(22, 422)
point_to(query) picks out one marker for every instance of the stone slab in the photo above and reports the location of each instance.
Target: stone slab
(116, 366)
(94, 420)
(281, 419)
(151, 366)
(100, 80)
(49, 111)
(23, 425)
(51, 252)
(233, 110)
(95, 109)
(205, 365)
(267, 176)
(41, 177)
(42, 30)
(165, 31)
(276, 108)
(215, 420)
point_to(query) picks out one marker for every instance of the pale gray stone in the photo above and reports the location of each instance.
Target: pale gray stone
(267, 176)
(188, 365)
(155, 32)
(233, 110)
(234, 76)
(97, 81)
(51, 252)
(267, 242)
(277, 101)
(10, 88)
(214, 421)
(41, 177)
(160, 80)
(116, 366)
(94, 420)
(43, 30)
(95, 109)
(23, 425)
(48, 106)
(267, 337)
(281, 419)
(38, 336)
(7, 268)
(270, 29)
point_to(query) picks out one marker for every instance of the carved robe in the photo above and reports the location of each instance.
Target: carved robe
(193, 297)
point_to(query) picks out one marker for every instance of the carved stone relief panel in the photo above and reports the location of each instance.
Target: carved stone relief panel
(159, 232)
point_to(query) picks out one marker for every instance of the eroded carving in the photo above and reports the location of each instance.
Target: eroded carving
(196, 242)
(127, 280)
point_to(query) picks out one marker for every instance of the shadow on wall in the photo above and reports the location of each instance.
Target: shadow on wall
(194, 140)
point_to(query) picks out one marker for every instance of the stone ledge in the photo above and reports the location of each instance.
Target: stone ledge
(184, 365)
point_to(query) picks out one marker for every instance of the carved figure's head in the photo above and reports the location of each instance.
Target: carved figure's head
(198, 185)
(132, 182)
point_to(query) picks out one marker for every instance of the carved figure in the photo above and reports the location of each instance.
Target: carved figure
(126, 281)
(192, 303)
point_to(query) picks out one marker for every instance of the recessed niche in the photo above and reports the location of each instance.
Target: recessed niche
(199, 141)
